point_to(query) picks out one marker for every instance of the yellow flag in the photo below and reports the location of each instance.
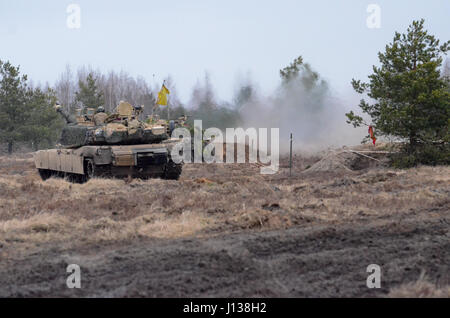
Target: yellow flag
(162, 96)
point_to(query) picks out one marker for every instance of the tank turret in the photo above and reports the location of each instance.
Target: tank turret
(122, 127)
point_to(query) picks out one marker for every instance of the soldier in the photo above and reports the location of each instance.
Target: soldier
(138, 109)
(100, 116)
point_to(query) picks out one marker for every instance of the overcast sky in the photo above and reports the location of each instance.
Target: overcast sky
(227, 38)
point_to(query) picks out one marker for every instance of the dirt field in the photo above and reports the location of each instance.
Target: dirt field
(226, 230)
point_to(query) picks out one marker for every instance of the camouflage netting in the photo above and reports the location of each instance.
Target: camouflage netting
(75, 136)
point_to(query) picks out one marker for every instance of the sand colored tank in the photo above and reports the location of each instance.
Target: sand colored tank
(121, 146)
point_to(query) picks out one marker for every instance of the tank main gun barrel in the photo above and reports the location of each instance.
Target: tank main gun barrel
(67, 117)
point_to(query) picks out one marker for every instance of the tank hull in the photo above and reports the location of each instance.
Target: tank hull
(138, 161)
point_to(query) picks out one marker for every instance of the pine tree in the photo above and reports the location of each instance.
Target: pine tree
(411, 98)
(43, 123)
(302, 91)
(13, 106)
(243, 95)
(300, 73)
(89, 95)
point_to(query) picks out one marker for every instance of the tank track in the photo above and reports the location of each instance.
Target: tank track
(172, 170)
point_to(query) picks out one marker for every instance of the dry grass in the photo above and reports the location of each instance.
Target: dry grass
(420, 289)
(209, 199)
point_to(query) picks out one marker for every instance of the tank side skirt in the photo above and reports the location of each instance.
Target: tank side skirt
(145, 159)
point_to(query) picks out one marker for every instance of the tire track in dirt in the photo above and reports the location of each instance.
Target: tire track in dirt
(314, 261)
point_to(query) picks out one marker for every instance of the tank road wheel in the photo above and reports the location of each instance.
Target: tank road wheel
(89, 169)
(172, 170)
(45, 174)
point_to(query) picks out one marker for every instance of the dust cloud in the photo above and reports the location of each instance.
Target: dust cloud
(308, 109)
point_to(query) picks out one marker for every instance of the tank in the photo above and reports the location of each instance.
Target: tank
(117, 145)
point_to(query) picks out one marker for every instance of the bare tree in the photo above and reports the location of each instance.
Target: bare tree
(65, 88)
(446, 69)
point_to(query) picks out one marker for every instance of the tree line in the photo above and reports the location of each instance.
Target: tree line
(26, 112)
